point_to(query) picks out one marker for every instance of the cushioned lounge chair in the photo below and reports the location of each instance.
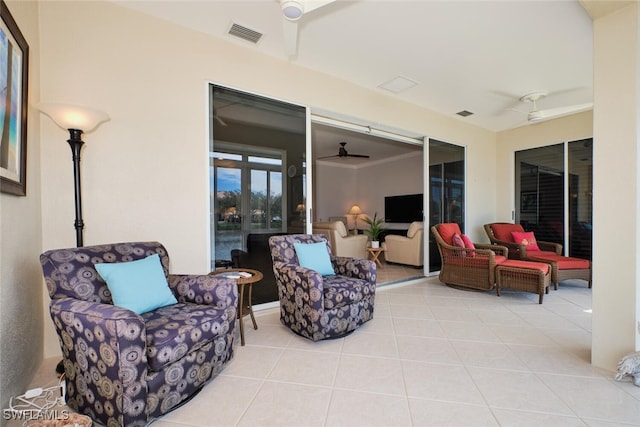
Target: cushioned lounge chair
(562, 267)
(471, 267)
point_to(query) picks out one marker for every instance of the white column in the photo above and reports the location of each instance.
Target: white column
(616, 193)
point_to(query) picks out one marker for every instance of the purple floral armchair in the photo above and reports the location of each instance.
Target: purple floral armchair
(125, 369)
(320, 307)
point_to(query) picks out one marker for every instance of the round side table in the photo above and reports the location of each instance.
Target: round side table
(243, 277)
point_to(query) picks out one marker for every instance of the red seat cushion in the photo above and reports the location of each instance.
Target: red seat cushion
(528, 265)
(563, 262)
(447, 230)
(503, 231)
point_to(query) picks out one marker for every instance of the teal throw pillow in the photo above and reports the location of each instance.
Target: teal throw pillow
(139, 286)
(314, 256)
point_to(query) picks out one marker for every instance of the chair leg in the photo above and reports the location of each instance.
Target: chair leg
(540, 299)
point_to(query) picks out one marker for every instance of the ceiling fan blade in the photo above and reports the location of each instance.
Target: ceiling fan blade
(290, 35)
(327, 157)
(357, 155)
(562, 111)
(310, 5)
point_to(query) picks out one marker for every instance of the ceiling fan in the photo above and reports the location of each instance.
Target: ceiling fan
(292, 11)
(342, 152)
(536, 115)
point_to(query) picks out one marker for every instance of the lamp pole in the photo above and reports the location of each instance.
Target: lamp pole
(76, 120)
(75, 142)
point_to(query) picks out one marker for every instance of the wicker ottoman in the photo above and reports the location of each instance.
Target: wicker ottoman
(526, 276)
(563, 267)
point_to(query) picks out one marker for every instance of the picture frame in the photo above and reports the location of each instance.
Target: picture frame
(14, 61)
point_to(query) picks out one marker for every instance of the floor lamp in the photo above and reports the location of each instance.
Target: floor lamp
(77, 120)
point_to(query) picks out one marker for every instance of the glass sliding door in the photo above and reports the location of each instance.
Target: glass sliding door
(257, 151)
(446, 191)
(554, 204)
(580, 198)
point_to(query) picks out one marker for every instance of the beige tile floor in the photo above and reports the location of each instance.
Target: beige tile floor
(432, 356)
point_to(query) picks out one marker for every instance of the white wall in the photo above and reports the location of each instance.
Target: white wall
(402, 175)
(145, 172)
(335, 188)
(21, 289)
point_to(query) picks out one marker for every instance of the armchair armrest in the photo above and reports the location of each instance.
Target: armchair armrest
(466, 257)
(549, 246)
(355, 267)
(113, 335)
(497, 249)
(299, 286)
(204, 289)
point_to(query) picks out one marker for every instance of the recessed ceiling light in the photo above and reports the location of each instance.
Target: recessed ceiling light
(398, 84)
(464, 113)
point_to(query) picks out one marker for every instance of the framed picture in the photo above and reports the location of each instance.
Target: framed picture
(14, 66)
(529, 201)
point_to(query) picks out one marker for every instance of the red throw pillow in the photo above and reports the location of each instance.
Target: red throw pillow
(467, 242)
(457, 240)
(526, 238)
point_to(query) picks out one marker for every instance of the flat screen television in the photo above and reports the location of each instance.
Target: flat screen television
(405, 208)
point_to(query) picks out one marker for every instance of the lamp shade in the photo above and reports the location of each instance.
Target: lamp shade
(355, 210)
(74, 116)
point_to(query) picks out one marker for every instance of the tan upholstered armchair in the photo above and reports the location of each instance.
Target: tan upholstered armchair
(342, 244)
(407, 249)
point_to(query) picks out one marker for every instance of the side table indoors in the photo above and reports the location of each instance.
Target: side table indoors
(243, 277)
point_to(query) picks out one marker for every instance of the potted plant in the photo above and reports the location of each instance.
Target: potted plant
(374, 230)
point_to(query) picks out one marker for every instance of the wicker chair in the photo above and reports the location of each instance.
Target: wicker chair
(467, 267)
(499, 233)
(562, 267)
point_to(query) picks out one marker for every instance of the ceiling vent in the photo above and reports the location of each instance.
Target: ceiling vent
(244, 33)
(464, 113)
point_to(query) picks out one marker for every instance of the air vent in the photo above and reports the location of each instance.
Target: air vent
(244, 33)
(464, 113)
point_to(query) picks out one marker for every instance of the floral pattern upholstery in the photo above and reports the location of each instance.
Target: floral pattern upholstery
(125, 369)
(318, 307)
